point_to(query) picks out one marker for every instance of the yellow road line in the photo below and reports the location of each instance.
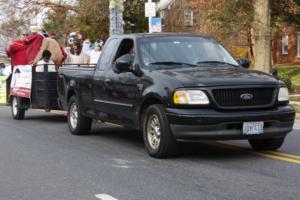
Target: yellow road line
(263, 154)
(283, 154)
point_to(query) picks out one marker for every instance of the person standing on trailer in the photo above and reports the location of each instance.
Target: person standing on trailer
(54, 48)
(33, 43)
(46, 55)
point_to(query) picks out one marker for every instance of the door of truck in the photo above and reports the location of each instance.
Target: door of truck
(100, 98)
(120, 89)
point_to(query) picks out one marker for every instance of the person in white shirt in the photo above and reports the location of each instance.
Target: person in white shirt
(82, 36)
(45, 60)
(76, 55)
(95, 53)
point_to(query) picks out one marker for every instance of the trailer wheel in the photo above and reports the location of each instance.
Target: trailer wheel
(17, 112)
(78, 124)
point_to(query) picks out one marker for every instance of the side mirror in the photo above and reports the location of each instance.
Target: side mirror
(244, 62)
(124, 63)
(274, 73)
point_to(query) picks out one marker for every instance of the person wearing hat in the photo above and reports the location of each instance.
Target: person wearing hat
(96, 52)
(33, 43)
(71, 39)
(24, 34)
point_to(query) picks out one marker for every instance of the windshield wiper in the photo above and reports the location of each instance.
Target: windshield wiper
(216, 62)
(171, 63)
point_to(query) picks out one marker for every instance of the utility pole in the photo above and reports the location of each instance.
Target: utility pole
(149, 18)
(116, 8)
(263, 35)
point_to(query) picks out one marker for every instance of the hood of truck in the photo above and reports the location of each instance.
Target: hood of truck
(219, 76)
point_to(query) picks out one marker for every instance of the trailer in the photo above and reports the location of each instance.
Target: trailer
(41, 93)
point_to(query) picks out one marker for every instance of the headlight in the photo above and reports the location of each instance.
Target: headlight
(190, 97)
(283, 94)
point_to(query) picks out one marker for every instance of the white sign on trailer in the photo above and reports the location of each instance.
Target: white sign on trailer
(21, 81)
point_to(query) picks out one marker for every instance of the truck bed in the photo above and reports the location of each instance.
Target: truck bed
(70, 75)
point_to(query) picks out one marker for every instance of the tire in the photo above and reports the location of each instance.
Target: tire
(158, 138)
(266, 144)
(17, 112)
(78, 124)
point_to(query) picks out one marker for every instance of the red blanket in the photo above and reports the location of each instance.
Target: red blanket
(17, 52)
(23, 52)
(33, 43)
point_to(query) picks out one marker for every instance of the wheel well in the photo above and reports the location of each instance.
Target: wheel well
(148, 102)
(70, 94)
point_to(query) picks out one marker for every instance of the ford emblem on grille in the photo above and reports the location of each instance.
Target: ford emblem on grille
(247, 96)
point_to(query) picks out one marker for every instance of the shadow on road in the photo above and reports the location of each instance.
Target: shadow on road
(124, 136)
(47, 118)
(132, 139)
(208, 150)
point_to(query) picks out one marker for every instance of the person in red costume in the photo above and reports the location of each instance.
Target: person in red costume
(17, 51)
(33, 43)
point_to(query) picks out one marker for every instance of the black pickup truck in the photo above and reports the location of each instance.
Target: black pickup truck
(176, 87)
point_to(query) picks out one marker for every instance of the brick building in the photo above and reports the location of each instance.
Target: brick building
(191, 16)
(286, 46)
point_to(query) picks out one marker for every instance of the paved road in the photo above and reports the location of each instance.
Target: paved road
(41, 160)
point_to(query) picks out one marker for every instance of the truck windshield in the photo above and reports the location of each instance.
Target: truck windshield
(183, 51)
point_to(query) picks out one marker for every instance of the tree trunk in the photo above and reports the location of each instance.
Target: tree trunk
(262, 38)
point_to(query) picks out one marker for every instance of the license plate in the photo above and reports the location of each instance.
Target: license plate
(252, 128)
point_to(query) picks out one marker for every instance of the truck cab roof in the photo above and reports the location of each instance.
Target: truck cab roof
(165, 34)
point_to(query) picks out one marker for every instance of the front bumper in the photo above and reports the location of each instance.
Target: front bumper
(191, 124)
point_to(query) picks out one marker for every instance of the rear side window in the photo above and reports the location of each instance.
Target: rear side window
(107, 52)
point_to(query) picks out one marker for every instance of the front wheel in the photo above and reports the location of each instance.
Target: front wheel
(17, 112)
(158, 138)
(266, 144)
(78, 124)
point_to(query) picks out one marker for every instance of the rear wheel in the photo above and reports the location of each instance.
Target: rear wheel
(267, 144)
(78, 124)
(158, 138)
(17, 112)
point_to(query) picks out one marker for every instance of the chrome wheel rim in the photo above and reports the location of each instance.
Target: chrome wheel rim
(15, 106)
(154, 132)
(73, 116)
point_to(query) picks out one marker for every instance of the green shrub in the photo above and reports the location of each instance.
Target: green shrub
(290, 71)
(287, 80)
